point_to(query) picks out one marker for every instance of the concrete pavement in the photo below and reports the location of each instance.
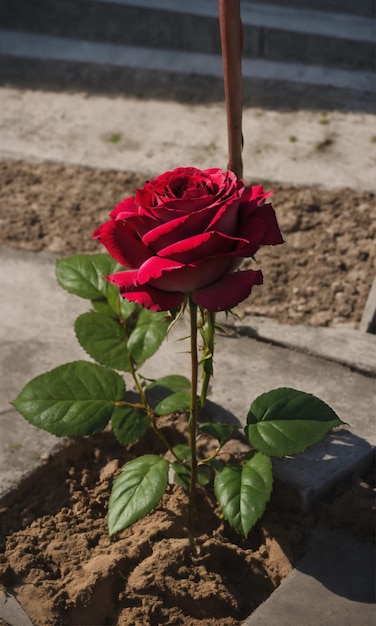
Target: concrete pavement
(330, 149)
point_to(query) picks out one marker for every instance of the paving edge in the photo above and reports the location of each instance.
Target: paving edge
(11, 612)
(336, 588)
(353, 348)
(368, 322)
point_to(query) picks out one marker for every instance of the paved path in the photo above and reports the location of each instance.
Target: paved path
(330, 149)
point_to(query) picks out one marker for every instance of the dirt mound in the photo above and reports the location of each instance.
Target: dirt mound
(58, 558)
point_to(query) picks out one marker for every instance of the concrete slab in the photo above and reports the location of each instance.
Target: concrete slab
(154, 137)
(23, 449)
(333, 584)
(11, 612)
(350, 347)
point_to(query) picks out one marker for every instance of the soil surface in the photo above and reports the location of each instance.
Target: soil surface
(55, 553)
(321, 276)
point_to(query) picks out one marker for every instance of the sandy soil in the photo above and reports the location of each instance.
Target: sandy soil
(321, 276)
(56, 555)
(65, 570)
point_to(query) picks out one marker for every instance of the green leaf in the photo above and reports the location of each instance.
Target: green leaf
(180, 401)
(114, 306)
(127, 308)
(83, 274)
(285, 421)
(182, 451)
(222, 432)
(102, 307)
(136, 491)
(129, 424)
(175, 383)
(104, 339)
(204, 475)
(243, 491)
(145, 339)
(182, 474)
(113, 297)
(71, 400)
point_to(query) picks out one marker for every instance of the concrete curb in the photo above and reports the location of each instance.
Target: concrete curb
(331, 585)
(354, 348)
(11, 612)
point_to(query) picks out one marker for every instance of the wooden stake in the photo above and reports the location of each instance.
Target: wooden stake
(232, 45)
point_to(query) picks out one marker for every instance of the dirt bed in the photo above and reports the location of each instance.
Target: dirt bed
(55, 553)
(321, 276)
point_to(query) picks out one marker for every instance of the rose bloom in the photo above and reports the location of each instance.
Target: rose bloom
(187, 232)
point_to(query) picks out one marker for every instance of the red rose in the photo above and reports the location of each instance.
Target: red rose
(187, 231)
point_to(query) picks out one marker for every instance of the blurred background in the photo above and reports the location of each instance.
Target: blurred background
(297, 53)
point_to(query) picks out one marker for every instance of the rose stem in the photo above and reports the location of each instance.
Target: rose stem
(231, 42)
(193, 414)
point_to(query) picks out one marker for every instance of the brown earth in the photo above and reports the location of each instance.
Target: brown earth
(55, 553)
(321, 276)
(65, 569)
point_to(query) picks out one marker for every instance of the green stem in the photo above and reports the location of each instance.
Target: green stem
(193, 414)
(207, 333)
(138, 384)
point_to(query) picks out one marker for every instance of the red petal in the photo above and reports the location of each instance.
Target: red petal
(200, 247)
(124, 280)
(160, 237)
(169, 275)
(272, 236)
(122, 243)
(125, 208)
(146, 295)
(256, 194)
(155, 267)
(228, 291)
(154, 299)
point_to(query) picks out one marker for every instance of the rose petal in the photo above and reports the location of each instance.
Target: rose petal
(272, 236)
(169, 275)
(225, 219)
(140, 224)
(259, 225)
(228, 291)
(126, 207)
(203, 246)
(155, 267)
(178, 229)
(146, 295)
(256, 194)
(253, 230)
(124, 280)
(161, 236)
(122, 243)
(154, 299)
